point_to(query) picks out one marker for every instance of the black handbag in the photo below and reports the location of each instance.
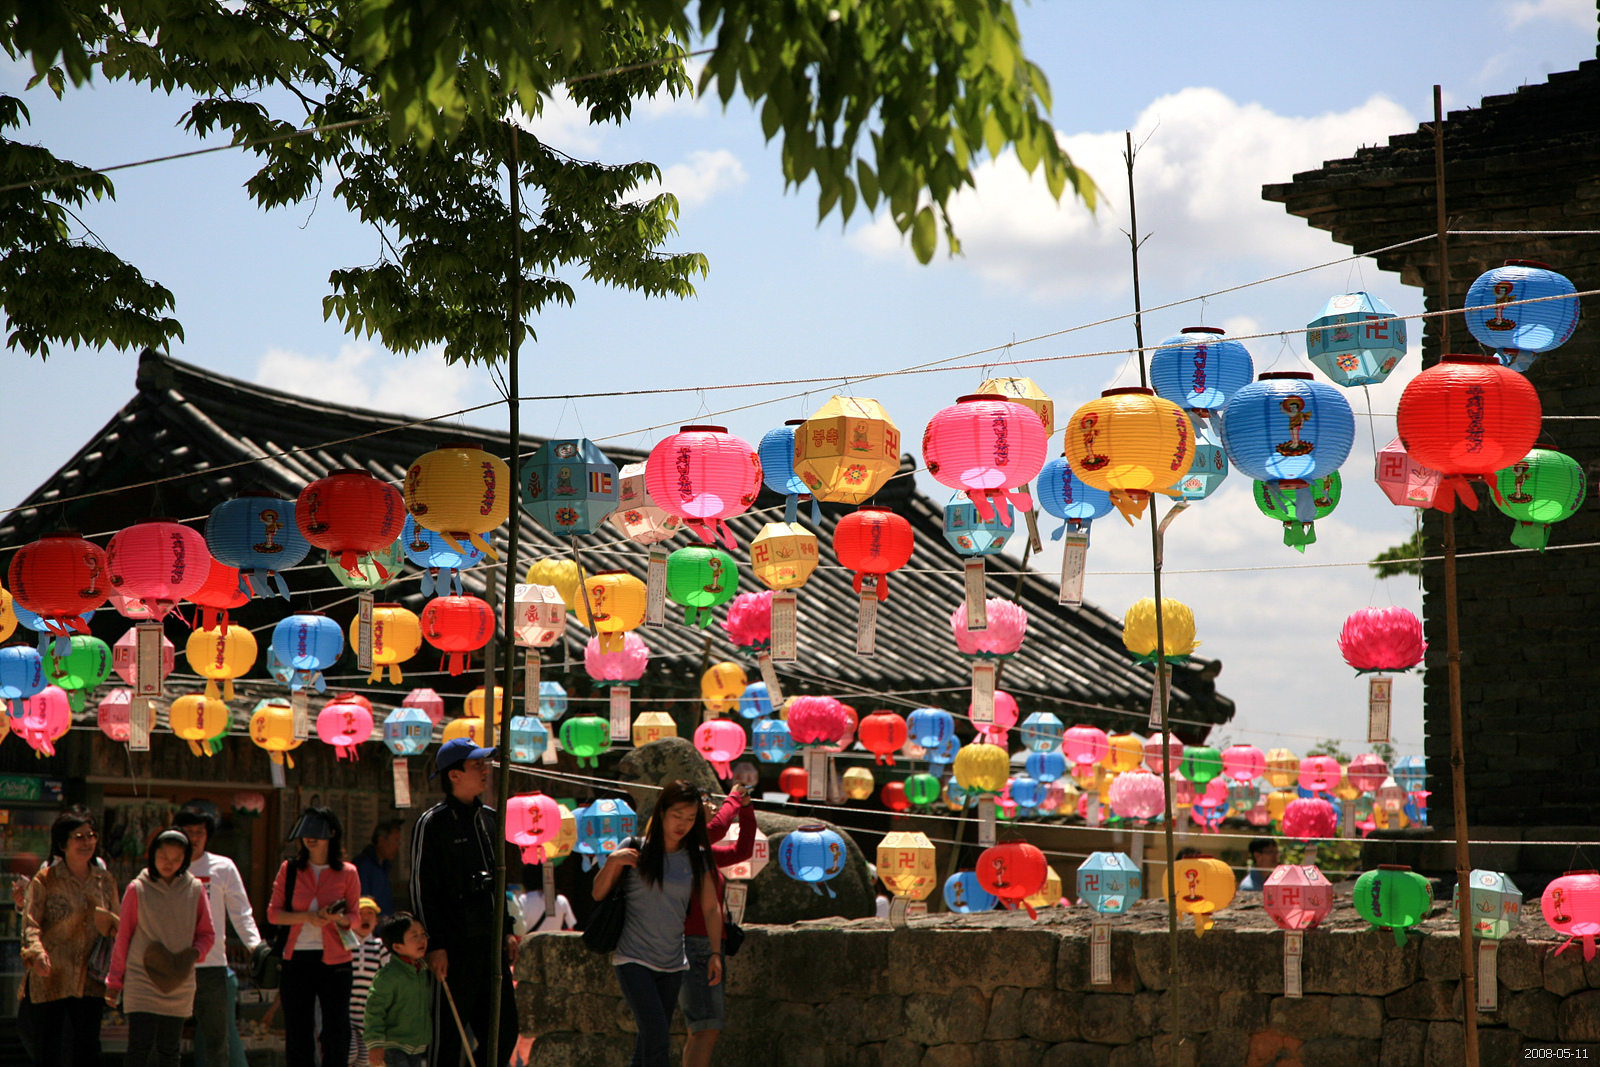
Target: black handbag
(603, 932)
(266, 959)
(732, 936)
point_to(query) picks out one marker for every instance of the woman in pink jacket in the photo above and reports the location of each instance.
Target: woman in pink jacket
(316, 959)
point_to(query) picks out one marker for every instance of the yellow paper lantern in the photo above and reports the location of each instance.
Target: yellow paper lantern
(721, 686)
(1050, 895)
(1384, 819)
(1344, 790)
(396, 637)
(1130, 443)
(8, 622)
(1277, 801)
(847, 450)
(1205, 886)
(563, 575)
(272, 728)
(221, 654)
(982, 768)
(618, 601)
(783, 555)
(198, 720)
(1177, 628)
(1283, 768)
(472, 707)
(1124, 752)
(459, 490)
(858, 783)
(906, 864)
(471, 729)
(562, 845)
(1027, 393)
(653, 726)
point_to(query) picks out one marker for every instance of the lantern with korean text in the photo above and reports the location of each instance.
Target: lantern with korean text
(457, 626)
(704, 475)
(256, 533)
(1393, 896)
(1467, 417)
(873, 541)
(988, 447)
(308, 644)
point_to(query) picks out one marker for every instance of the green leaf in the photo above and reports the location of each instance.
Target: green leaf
(924, 235)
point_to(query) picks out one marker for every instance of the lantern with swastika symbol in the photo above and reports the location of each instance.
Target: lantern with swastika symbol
(847, 450)
(1110, 882)
(783, 555)
(906, 864)
(1297, 897)
(1357, 340)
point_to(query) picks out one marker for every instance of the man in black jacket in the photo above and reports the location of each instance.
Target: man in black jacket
(452, 890)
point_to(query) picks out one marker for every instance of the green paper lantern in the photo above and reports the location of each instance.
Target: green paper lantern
(1393, 896)
(922, 790)
(1299, 532)
(392, 559)
(86, 664)
(1201, 763)
(699, 578)
(586, 737)
(1546, 486)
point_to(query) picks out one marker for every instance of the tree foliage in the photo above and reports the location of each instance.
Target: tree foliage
(1404, 558)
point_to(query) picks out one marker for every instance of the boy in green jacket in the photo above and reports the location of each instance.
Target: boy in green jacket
(399, 1025)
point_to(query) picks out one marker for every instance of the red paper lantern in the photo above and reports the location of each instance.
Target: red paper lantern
(222, 592)
(883, 733)
(59, 577)
(1013, 871)
(793, 781)
(894, 797)
(1468, 417)
(158, 561)
(703, 475)
(1310, 819)
(349, 514)
(873, 541)
(988, 445)
(457, 626)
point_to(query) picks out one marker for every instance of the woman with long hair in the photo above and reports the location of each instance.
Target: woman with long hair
(68, 907)
(702, 1002)
(326, 895)
(662, 878)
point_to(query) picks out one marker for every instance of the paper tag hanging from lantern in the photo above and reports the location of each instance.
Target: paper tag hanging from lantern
(147, 660)
(1380, 689)
(1032, 519)
(736, 894)
(1100, 952)
(621, 713)
(655, 604)
(816, 764)
(835, 783)
(1091, 807)
(1155, 705)
(1138, 851)
(983, 693)
(280, 779)
(300, 703)
(1488, 975)
(364, 632)
(552, 751)
(867, 619)
(977, 604)
(897, 912)
(402, 782)
(785, 624)
(769, 675)
(531, 666)
(1294, 947)
(141, 713)
(1310, 859)
(986, 821)
(1074, 559)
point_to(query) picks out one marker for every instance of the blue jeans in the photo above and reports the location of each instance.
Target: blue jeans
(216, 1028)
(702, 1003)
(651, 996)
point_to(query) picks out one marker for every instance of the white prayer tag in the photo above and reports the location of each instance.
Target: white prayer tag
(655, 604)
(977, 603)
(1379, 691)
(1100, 952)
(531, 666)
(364, 632)
(917, 909)
(785, 624)
(552, 751)
(867, 620)
(1294, 944)
(736, 893)
(300, 704)
(982, 693)
(816, 774)
(897, 912)
(147, 659)
(986, 822)
(141, 717)
(1310, 859)
(621, 713)
(550, 898)
(769, 674)
(1032, 518)
(402, 782)
(1155, 705)
(1138, 851)
(279, 778)
(1488, 975)
(1074, 560)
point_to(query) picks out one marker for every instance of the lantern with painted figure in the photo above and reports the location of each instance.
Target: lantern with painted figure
(1130, 443)
(1012, 871)
(1467, 417)
(532, 820)
(1494, 901)
(776, 452)
(586, 737)
(699, 578)
(458, 626)
(1297, 897)
(847, 450)
(86, 664)
(1110, 883)
(964, 894)
(1519, 332)
(344, 724)
(720, 741)
(256, 532)
(1541, 488)
(1064, 495)
(1299, 530)
(1357, 340)
(1393, 896)
(272, 729)
(441, 561)
(570, 487)
(704, 475)
(350, 514)
(971, 534)
(59, 578)
(857, 782)
(602, 827)
(873, 541)
(813, 854)
(637, 515)
(461, 492)
(1042, 731)
(407, 731)
(1571, 906)
(653, 726)
(989, 448)
(906, 864)
(308, 644)
(1205, 886)
(721, 687)
(783, 555)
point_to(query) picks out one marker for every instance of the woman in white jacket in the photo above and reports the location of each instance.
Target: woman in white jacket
(216, 992)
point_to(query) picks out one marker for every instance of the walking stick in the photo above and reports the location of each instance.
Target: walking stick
(466, 1043)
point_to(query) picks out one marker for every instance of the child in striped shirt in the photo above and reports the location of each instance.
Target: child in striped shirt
(366, 957)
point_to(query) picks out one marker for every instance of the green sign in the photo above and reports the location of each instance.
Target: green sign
(30, 788)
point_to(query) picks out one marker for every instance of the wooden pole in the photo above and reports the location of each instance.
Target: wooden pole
(1458, 760)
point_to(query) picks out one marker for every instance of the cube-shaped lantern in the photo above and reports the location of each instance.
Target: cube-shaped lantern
(972, 536)
(529, 738)
(602, 826)
(1110, 882)
(1209, 470)
(1496, 904)
(847, 450)
(541, 616)
(407, 731)
(759, 855)
(569, 486)
(638, 516)
(1297, 897)
(1352, 343)
(1405, 481)
(906, 864)
(653, 726)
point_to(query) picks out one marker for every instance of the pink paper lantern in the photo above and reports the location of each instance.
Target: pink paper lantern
(1320, 774)
(749, 621)
(627, 665)
(1571, 905)
(1309, 819)
(1367, 772)
(1153, 758)
(158, 561)
(720, 741)
(344, 724)
(1008, 625)
(989, 446)
(125, 656)
(1297, 897)
(1083, 746)
(42, 719)
(531, 820)
(1382, 639)
(1083, 809)
(1243, 763)
(1183, 792)
(1259, 815)
(703, 475)
(1137, 794)
(1403, 480)
(817, 720)
(112, 714)
(1005, 717)
(426, 701)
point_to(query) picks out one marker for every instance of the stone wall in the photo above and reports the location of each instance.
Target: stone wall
(996, 990)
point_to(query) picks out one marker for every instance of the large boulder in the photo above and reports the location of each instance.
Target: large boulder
(651, 766)
(777, 898)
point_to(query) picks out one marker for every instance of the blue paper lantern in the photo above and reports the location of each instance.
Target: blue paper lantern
(930, 727)
(1110, 882)
(972, 536)
(1042, 731)
(552, 701)
(1045, 766)
(1411, 772)
(813, 854)
(942, 757)
(1210, 468)
(963, 894)
(429, 550)
(407, 731)
(570, 486)
(772, 740)
(777, 471)
(602, 827)
(1521, 328)
(1288, 430)
(1028, 793)
(21, 672)
(1200, 369)
(1066, 496)
(755, 702)
(256, 532)
(308, 644)
(30, 620)
(1350, 347)
(529, 738)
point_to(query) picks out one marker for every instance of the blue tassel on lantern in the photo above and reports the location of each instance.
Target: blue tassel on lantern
(812, 854)
(1110, 883)
(1066, 496)
(308, 645)
(1045, 766)
(972, 536)
(1287, 429)
(428, 550)
(1520, 329)
(50, 640)
(1200, 369)
(569, 486)
(964, 894)
(772, 740)
(777, 472)
(256, 533)
(755, 702)
(1351, 344)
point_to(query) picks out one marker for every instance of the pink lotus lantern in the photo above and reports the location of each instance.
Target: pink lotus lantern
(1153, 758)
(720, 741)
(704, 475)
(1382, 639)
(627, 665)
(249, 803)
(989, 446)
(1243, 763)
(125, 657)
(1367, 772)
(43, 719)
(1319, 774)
(815, 721)
(344, 724)
(1403, 480)
(1008, 625)
(749, 621)
(1310, 819)
(158, 561)
(531, 820)
(1137, 795)
(1005, 717)
(112, 714)
(1083, 746)
(1297, 897)
(1571, 906)
(426, 701)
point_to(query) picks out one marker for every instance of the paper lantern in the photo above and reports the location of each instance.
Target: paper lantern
(441, 557)
(1571, 906)
(624, 667)
(222, 591)
(883, 733)
(930, 727)
(964, 894)
(794, 781)
(1406, 482)
(1278, 802)
(471, 729)
(1137, 795)
(1543, 487)
(1084, 746)
(407, 731)
(43, 719)
(1201, 763)
(457, 626)
(58, 578)
(562, 574)
(1283, 768)
(1049, 896)
(1242, 797)
(1299, 529)
(111, 715)
(1494, 903)
(1319, 774)
(704, 475)
(923, 790)
(256, 532)
(873, 541)
(570, 487)
(754, 701)
(982, 769)
(907, 864)
(813, 854)
(344, 724)
(461, 492)
(1393, 896)
(1042, 731)
(848, 450)
(8, 616)
(308, 644)
(221, 655)
(1352, 343)
(988, 447)
(158, 561)
(637, 515)
(540, 618)
(1130, 443)
(1367, 772)
(699, 578)
(1008, 625)
(1208, 471)
(86, 664)
(618, 602)
(1243, 763)
(893, 796)
(350, 513)
(749, 621)
(586, 737)
(1109, 883)
(1012, 871)
(1496, 321)
(857, 782)
(1177, 630)
(532, 819)
(1310, 819)
(1066, 496)
(1205, 886)
(1288, 430)
(373, 571)
(776, 452)
(1159, 762)
(552, 701)
(1411, 772)
(1045, 766)
(1200, 369)
(567, 837)
(720, 741)
(1467, 417)
(602, 827)
(815, 721)
(272, 729)
(1382, 639)
(124, 657)
(1027, 792)
(783, 555)
(721, 687)
(652, 726)
(1026, 392)
(473, 704)
(971, 534)
(426, 701)
(1297, 897)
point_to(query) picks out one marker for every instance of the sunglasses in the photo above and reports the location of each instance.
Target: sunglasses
(84, 835)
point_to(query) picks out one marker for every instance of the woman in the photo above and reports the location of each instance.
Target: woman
(165, 929)
(66, 910)
(316, 959)
(701, 1001)
(670, 871)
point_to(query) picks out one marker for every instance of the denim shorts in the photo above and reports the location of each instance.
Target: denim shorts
(701, 1003)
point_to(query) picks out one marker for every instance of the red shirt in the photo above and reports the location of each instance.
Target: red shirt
(332, 885)
(725, 855)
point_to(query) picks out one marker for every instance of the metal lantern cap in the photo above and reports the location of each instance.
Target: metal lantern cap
(786, 422)
(1219, 331)
(1583, 872)
(1126, 390)
(348, 470)
(811, 827)
(983, 396)
(1275, 375)
(708, 429)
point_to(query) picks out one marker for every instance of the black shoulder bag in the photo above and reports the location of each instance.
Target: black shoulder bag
(603, 932)
(266, 959)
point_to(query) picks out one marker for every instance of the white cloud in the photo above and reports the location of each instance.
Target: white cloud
(705, 175)
(1199, 180)
(362, 376)
(562, 124)
(1579, 13)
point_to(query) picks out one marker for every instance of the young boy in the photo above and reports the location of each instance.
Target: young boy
(365, 959)
(399, 1026)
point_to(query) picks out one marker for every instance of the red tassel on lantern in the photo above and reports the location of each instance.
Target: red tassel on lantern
(873, 540)
(457, 626)
(349, 514)
(59, 577)
(1013, 871)
(1468, 417)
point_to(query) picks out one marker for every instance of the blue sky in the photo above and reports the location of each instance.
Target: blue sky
(1230, 94)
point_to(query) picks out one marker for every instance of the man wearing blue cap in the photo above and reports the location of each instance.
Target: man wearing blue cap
(452, 890)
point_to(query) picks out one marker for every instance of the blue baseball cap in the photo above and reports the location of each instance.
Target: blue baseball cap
(455, 753)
